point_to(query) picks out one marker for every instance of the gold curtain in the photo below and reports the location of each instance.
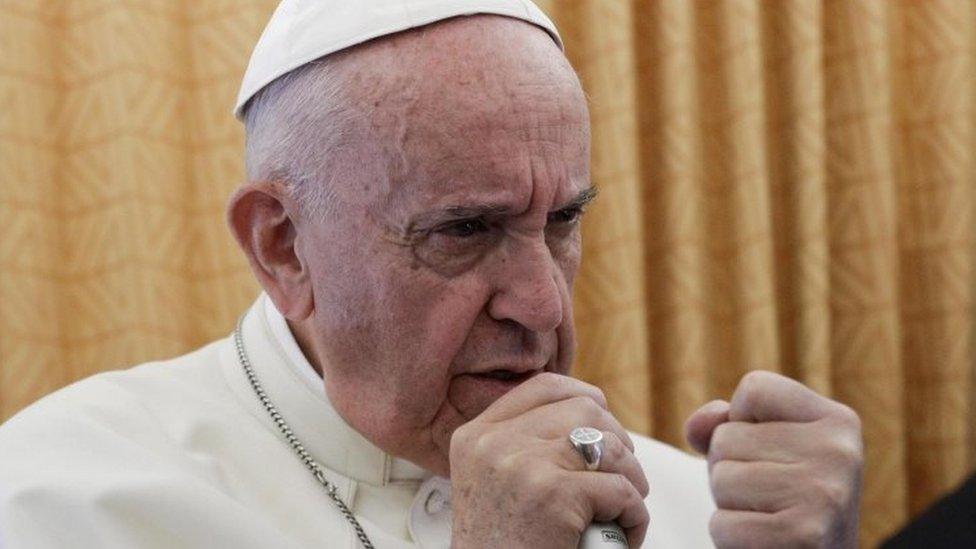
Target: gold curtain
(786, 185)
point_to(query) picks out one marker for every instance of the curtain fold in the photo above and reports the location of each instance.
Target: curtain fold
(785, 185)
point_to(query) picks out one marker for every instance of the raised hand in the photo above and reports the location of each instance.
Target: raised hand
(784, 465)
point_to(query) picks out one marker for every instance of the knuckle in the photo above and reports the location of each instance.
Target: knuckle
(720, 441)
(832, 494)
(576, 520)
(461, 441)
(852, 454)
(550, 380)
(750, 389)
(633, 493)
(549, 383)
(482, 445)
(645, 488)
(549, 377)
(628, 442)
(544, 488)
(546, 378)
(590, 411)
(643, 516)
(590, 391)
(535, 484)
(721, 479)
(847, 417)
(721, 471)
(756, 378)
(718, 527)
(482, 448)
(633, 500)
(599, 396)
(728, 531)
(462, 433)
(809, 531)
(622, 487)
(558, 383)
(509, 462)
(846, 453)
(613, 447)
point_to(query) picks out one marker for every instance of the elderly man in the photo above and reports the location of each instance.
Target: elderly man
(412, 213)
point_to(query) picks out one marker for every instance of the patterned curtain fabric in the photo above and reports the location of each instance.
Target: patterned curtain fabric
(786, 185)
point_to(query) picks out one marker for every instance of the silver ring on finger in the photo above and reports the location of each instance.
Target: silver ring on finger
(588, 442)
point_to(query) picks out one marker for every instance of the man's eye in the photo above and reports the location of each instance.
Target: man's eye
(569, 215)
(464, 228)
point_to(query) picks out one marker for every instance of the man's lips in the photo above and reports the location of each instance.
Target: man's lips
(506, 374)
(508, 369)
(493, 384)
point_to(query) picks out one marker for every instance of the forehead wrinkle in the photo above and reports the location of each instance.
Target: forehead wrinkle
(450, 96)
(463, 64)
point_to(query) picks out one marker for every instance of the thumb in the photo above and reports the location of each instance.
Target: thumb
(701, 424)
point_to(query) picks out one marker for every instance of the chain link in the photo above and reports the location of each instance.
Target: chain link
(292, 440)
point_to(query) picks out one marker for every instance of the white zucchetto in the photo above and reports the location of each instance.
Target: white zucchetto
(301, 31)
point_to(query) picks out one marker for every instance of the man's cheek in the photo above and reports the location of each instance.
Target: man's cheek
(569, 264)
(451, 334)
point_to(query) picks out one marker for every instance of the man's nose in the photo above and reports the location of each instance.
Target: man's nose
(528, 289)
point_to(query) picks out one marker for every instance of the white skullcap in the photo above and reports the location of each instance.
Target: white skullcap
(301, 31)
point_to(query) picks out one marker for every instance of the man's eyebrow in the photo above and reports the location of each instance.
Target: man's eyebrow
(582, 199)
(474, 210)
(477, 210)
(454, 213)
(471, 211)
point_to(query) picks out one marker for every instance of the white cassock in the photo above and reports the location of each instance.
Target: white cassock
(181, 453)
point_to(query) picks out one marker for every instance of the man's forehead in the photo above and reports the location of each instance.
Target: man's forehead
(464, 60)
(470, 130)
(488, 195)
(303, 30)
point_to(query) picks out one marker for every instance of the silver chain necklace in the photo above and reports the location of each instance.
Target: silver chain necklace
(293, 441)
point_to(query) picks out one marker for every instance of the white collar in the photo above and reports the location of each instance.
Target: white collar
(294, 387)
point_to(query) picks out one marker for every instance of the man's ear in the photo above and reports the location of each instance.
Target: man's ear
(258, 216)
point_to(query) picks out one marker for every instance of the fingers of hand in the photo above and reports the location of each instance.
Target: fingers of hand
(753, 485)
(766, 396)
(702, 423)
(612, 497)
(763, 472)
(753, 465)
(778, 442)
(617, 458)
(825, 444)
(557, 419)
(754, 530)
(541, 389)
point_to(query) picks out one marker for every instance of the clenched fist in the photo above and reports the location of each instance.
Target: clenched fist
(784, 465)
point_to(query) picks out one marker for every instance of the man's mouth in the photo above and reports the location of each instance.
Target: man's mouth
(472, 392)
(509, 375)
